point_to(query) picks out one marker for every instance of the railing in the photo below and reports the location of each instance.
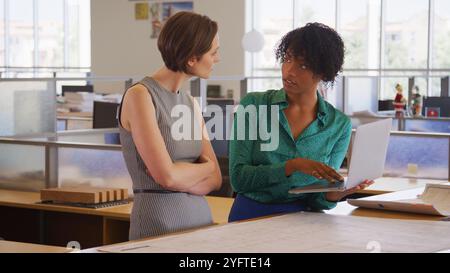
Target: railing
(410, 124)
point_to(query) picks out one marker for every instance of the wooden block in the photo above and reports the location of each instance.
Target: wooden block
(102, 192)
(72, 195)
(83, 194)
(103, 197)
(117, 194)
(111, 193)
(108, 194)
(124, 194)
(120, 194)
(114, 194)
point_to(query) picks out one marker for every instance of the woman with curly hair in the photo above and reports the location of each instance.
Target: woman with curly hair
(313, 136)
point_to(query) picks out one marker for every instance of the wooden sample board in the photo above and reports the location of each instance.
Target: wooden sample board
(303, 232)
(86, 195)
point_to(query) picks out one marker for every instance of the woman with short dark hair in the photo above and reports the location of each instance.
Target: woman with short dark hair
(171, 175)
(313, 136)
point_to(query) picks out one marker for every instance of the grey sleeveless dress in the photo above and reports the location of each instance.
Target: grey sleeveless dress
(160, 212)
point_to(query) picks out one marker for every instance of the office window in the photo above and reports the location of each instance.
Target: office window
(386, 38)
(78, 36)
(441, 34)
(406, 34)
(42, 36)
(273, 19)
(435, 87)
(322, 11)
(360, 28)
(50, 33)
(388, 90)
(21, 40)
(2, 32)
(421, 83)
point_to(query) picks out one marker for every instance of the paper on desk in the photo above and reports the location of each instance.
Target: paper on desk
(302, 232)
(437, 195)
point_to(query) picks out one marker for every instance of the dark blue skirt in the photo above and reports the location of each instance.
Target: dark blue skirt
(245, 208)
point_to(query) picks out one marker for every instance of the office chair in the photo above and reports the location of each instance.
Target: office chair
(105, 116)
(77, 88)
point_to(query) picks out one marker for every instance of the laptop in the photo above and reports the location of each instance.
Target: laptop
(368, 156)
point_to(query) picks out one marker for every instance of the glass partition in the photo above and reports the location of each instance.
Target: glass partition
(89, 167)
(23, 162)
(418, 156)
(27, 107)
(428, 125)
(38, 161)
(22, 167)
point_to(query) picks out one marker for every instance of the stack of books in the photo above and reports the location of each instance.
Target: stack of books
(77, 102)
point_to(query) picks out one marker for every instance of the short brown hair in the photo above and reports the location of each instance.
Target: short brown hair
(185, 35)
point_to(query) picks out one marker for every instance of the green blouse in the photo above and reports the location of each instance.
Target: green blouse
(260, 175)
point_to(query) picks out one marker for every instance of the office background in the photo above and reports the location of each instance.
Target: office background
(99, 47)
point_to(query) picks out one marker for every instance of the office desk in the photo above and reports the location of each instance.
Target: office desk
(16, 247)
(392, 184)
(56, 225)
(76, 120)
(299, 232)
(25, 221)
(344, 209)
(74, 114)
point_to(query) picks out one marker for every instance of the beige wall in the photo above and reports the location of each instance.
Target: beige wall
(121, 45)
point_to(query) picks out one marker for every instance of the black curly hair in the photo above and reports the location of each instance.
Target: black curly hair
(320, 46)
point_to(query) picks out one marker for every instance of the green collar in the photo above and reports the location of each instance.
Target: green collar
(322, 110)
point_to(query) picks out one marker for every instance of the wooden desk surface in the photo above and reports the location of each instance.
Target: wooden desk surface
(63, 115)
(392, 184)
(220, 206)
(337, 234)
(343, 208)
(16, 247)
